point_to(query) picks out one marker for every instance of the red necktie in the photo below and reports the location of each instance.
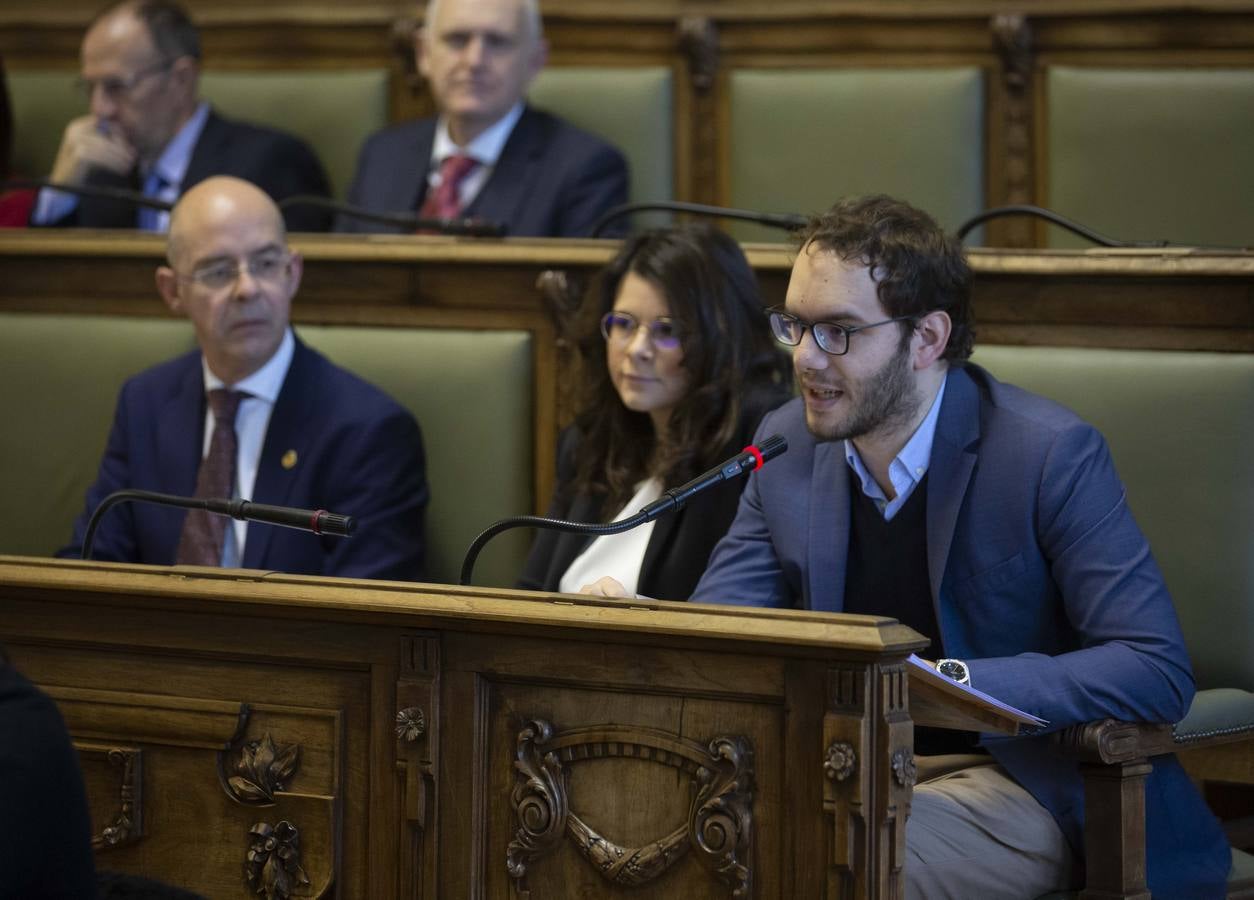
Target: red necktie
(203, 533)
(443, 202)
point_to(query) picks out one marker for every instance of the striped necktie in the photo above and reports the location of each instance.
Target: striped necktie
(203, 532)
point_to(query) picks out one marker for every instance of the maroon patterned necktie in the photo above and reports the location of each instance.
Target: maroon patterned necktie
(203, 533)
(444, 202)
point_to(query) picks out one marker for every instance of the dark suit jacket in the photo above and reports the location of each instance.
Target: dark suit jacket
(357, 453)
(680, 544)
(1041, 581)
(552, 179)
(278, 163)
(45, 829)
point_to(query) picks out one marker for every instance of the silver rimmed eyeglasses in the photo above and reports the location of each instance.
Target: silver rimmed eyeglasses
(621, 327)
(831, 338)
(265, 265)
(120, 87)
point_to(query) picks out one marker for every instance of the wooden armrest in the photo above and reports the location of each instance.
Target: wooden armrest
(1109, 741)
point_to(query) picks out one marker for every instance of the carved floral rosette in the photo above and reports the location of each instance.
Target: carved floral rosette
(720, 820)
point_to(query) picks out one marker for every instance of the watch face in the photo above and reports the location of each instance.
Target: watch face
(951, 668)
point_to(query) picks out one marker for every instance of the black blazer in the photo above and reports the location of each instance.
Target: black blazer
(45, 829)
(278, 163)
(681, 542)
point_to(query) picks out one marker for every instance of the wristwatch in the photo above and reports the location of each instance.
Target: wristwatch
(955, 669)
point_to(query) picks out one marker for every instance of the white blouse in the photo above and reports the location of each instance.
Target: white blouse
(617, 555)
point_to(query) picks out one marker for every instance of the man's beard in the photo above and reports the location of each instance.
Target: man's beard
(885, 399)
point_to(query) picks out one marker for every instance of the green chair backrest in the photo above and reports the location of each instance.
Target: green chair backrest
(1181, 429)
(470, 390)
(632, 108)
(800, 139)
(1161, 154)
(335, 111)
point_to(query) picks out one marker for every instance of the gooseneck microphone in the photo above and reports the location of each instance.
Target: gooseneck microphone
(319, 521)
(786, 221)
(459, 227)
(747, 460)
(94, 191)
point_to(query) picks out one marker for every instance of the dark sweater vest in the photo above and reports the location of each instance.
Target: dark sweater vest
(887, 576)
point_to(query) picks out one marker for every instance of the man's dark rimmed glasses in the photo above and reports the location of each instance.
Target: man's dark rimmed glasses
(120, 87)
(621, 327)
(831, 338)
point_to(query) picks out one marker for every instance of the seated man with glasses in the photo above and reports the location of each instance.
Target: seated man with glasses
(254, 414)
(149, 132)
(989, 520)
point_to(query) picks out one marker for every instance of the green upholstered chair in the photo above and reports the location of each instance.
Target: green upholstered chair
(1152, 154)
(334, 111)
(632, 108)
(797, 140)
(43, 102)
(1181, 429)
(471, 392)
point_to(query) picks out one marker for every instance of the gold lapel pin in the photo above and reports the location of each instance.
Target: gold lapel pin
(289, 460)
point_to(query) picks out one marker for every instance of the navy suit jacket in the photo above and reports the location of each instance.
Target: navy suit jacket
(357, 452)
(552, 179)
(1041, 581)
(278, 163)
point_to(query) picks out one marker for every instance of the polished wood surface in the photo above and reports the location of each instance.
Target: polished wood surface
(1151, 299)
(433, 741)
(702, 43)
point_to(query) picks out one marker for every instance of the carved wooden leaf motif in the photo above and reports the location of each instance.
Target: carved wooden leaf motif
(263, 769)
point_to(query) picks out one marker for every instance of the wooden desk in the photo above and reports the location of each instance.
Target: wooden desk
(1152, 299)
(432, 741)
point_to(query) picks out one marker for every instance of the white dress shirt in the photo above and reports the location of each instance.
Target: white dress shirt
(485, 150)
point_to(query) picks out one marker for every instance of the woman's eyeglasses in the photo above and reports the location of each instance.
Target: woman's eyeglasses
(621, 327)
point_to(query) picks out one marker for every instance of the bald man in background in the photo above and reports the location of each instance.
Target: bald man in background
(148, 130)
(288, 427)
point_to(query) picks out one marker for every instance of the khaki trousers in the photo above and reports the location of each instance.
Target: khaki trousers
(974, 834)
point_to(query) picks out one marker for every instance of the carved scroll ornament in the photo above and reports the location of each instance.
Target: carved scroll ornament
(719, 826)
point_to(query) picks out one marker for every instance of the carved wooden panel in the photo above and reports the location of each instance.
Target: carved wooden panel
(114, 778)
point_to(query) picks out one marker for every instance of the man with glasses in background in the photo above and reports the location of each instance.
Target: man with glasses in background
(989, 520)
(254, 414)
(148, 130)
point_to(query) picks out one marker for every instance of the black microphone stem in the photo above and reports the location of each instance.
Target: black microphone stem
(786, 221)
(318, 521)
(749, 459)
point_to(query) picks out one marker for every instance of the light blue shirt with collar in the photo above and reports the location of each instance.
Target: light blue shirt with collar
(486, 149)
(908, 466)
(251, 421)
(171, 166)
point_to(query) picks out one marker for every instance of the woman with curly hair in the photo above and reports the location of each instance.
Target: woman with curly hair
(679, 368)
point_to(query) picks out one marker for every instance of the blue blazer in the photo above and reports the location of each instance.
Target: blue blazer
(1041, 581)
(357, 452)
(552, 179)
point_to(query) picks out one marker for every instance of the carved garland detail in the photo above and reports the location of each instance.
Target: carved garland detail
(720, 821)
(272, 866)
